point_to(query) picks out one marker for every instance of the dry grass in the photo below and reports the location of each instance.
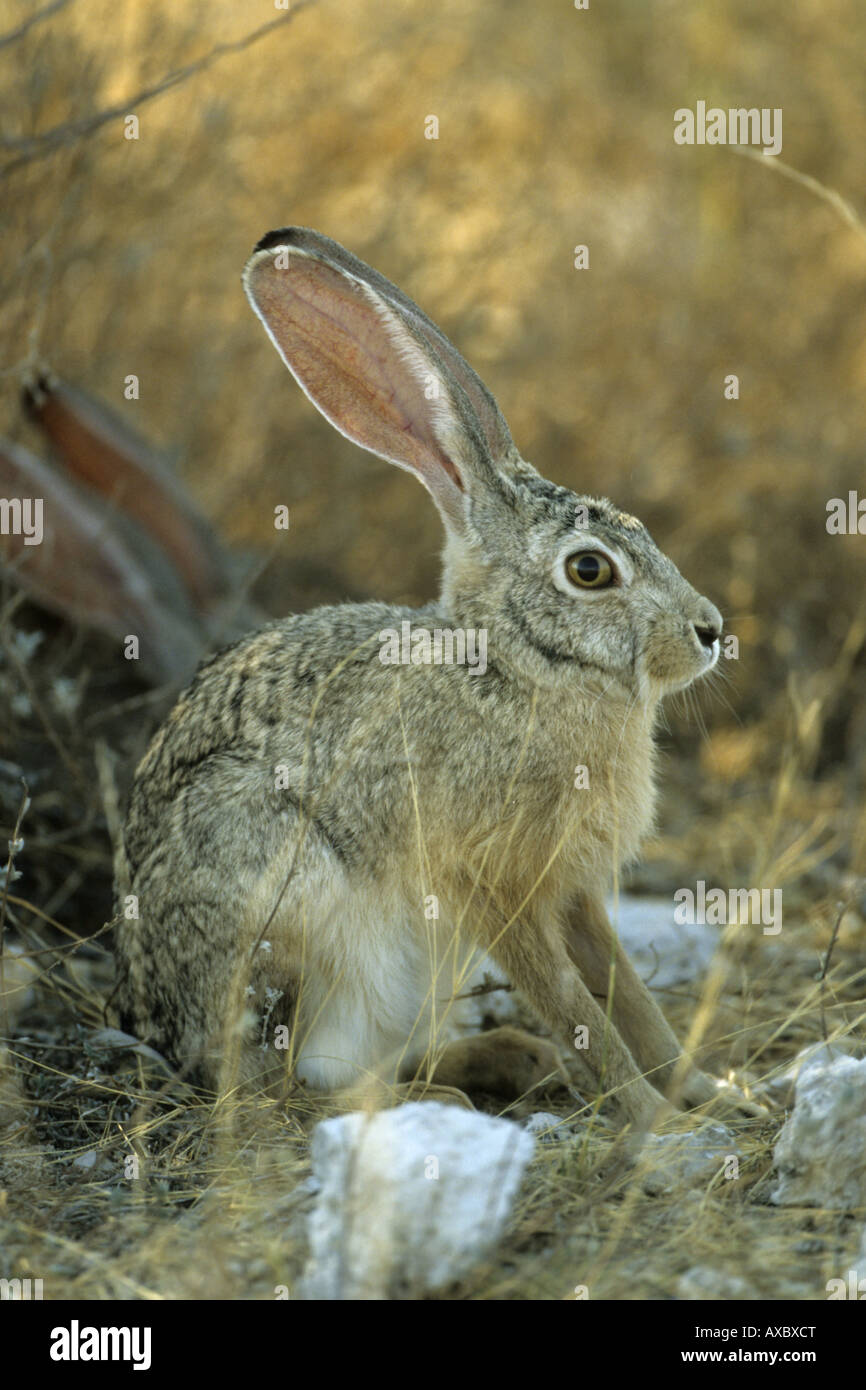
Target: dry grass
(124, 257)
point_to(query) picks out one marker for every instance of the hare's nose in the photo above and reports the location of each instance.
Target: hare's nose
(708, 624)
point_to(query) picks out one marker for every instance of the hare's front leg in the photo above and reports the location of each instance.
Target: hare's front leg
(534, 956)
(596, 950)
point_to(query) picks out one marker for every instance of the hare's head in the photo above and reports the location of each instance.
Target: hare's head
(573, 592)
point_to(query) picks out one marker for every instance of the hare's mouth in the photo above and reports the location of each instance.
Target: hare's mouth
(706, 657)
(711, 655)
(677, 665)
(705, 648)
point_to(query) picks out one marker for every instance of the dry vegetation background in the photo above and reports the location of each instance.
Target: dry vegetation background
(555, 129)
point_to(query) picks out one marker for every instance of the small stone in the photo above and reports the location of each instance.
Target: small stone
(702, 1282)
(547, 1128)
(685, 1160)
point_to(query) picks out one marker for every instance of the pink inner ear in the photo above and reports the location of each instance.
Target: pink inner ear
(349, 362)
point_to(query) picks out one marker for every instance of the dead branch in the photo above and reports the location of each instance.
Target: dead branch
(41, 146)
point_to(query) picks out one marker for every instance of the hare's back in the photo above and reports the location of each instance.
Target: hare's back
(266, 723)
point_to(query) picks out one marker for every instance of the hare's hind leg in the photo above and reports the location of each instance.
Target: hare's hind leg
(506, 1062)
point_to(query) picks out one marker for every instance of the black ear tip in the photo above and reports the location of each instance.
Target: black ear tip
(283, 236)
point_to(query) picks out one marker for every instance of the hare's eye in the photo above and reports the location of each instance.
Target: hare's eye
(589, 569)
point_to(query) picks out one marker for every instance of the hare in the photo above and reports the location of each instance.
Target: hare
(338, 826)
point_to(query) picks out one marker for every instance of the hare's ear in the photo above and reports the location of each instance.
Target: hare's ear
(375, 366)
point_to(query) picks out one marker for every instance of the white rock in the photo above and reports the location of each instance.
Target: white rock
(781, 1087)
(685, 1160)
(663, 952)
(410, 1198)
(820, 1154)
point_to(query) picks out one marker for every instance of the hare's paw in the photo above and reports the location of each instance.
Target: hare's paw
(430, 1090)
(374, 1093)
(726, 1099)
(503, 1062)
